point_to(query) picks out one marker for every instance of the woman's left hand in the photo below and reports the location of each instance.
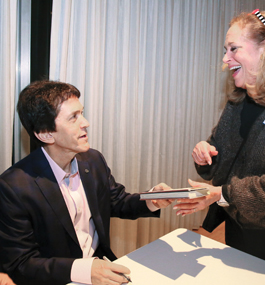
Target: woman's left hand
(190, 206)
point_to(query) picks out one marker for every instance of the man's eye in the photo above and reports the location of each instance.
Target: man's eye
(74, 117)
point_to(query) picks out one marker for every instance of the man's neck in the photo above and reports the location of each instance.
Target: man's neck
(62, 159)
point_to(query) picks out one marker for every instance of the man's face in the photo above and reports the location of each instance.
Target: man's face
(70, 136)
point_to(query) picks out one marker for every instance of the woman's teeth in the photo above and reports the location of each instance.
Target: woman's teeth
(235, 67)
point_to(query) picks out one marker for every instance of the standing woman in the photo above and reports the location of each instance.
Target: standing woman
(234, 155)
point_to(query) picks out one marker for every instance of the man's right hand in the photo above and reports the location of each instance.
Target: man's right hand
(203, 152)
(107, 273)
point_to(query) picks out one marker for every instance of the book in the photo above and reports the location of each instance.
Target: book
(179, 193)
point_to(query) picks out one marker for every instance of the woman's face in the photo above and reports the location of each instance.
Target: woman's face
(242, 56)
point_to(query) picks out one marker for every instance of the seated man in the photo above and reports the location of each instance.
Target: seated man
(56, 204)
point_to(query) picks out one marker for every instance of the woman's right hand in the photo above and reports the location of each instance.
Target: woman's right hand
(203, 152)
(189, 206)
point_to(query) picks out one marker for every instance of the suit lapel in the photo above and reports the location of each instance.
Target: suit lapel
(89, 187)
(50, 189)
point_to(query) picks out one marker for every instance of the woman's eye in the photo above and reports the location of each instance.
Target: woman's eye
(232, 49)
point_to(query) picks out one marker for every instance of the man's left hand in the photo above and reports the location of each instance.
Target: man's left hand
(162, 203)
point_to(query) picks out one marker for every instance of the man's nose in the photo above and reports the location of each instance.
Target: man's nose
(85, 123)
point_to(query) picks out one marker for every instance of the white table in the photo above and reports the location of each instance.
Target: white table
(185, 257)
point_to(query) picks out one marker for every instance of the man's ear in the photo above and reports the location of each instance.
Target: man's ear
(45, 137)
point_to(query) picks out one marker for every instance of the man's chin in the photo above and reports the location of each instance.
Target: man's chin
(83, 148)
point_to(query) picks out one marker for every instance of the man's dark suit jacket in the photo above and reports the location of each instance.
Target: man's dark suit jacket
(38, 240)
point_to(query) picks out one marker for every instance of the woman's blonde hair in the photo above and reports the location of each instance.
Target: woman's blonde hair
(256, 33)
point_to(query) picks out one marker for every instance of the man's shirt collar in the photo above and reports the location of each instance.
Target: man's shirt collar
(58, 172)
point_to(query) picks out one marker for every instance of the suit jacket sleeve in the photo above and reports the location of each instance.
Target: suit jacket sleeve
(20, 250)
(125, 205)
(111, 199)
(37, 240)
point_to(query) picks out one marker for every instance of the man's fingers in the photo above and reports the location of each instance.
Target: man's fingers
(162, 186)
(119, 268)
(106, 272)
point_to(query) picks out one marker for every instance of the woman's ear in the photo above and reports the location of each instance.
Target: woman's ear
(45, 137)
(262, 49)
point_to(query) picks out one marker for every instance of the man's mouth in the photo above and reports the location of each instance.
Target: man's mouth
(83, 136)
(235, 69)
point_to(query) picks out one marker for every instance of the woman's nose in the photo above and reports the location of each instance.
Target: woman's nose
(225, 58)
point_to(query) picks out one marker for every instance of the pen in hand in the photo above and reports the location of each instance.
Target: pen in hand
(128, 278)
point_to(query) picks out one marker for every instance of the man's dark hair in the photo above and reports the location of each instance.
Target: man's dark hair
(39, 104)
